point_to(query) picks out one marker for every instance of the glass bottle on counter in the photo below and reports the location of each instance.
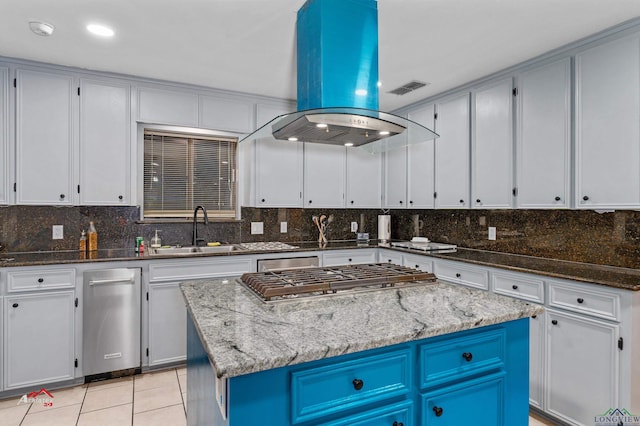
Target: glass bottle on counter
(82, 245)
(93, 237)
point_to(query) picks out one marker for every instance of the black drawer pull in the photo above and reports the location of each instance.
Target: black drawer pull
(120, 197)
(350, 259)
(263, 200)
(351, 201)
(515, 287)
(554, 322)
(438, 411)
(580, 300)
(40, 280)
(62, 196)
(461, 201)
(478, 200)
(585, 198)
(557, 198)
(357, 384)
(15, 305)
(310, 201)
(400, 201)
(534, 316)
(468, 356)
(458, 275)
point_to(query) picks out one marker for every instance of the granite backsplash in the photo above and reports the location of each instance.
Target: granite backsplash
(611, 238)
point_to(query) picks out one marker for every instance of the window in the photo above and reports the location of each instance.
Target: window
(182, 171)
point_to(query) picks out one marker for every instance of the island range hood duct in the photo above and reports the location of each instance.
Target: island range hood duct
(337, 60)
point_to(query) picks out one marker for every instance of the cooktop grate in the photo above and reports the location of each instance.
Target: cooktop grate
(285, 284)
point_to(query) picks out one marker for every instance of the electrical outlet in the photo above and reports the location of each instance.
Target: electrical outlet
(283, 227)
(257, 228)
(492, 233)
(354, 226)
(57, 232)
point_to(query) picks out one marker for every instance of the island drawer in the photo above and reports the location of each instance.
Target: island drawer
(452, 359)
(585, 299)
(462, 274)
(331, 388)
(519, 286)
(396, 414)
(41, 280)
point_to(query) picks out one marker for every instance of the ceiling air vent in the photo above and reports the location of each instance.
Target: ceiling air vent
(408, 87)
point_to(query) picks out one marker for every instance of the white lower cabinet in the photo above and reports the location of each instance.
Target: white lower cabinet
(349, 257)
(422, 263)
(536, 360)
(582, 367)
(168, 324)
(38, 338)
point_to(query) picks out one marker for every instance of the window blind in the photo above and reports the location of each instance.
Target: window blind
(184, 171)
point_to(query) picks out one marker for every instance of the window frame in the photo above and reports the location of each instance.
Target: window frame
(189, 131)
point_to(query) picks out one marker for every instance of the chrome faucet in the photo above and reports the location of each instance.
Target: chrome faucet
(196, 240)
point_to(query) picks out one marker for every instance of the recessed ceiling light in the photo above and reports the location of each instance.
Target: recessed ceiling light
(321, 125)
(293, 139)
(348, 144)
(100, 30)
(383, 133)
(41, 28)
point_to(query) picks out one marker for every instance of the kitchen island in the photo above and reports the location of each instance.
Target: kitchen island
(432, 354)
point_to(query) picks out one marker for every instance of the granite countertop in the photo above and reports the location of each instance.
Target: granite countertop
(242, 334)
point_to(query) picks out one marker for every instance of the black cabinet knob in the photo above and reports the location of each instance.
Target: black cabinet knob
(357, 384)
(389, 260)
(262, 201)
(515, 287)
(351, 201)
(554, 322)
(580, 300)
(40, 280)
(585, 198)
(438, 411)
(120, 197)
(400, 201)
(458, 275)
(461, 201)
(350, 259)
(417, 266)
(15, 305)
(62, 196)
(310, 201)
(397, 424)
(468, 356)
(410, 201)
(534, 316)
(557, 198)
(477, 200)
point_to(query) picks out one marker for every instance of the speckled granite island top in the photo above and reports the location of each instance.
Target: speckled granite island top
(242, 335)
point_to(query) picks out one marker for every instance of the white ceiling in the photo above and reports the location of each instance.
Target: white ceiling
(249, 45)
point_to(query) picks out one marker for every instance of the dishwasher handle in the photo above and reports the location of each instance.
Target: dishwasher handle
(113, 281)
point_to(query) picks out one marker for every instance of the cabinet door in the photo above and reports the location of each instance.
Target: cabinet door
(167, 107)
(167, 324)
(544, 136)
(39, 338)
(423, 263)
(492, 147)
(452, 154)
(324, 170)
(364, 179)
(536, 359)
(607, 126)
(278, 174)
(105, 176)
(395, 178)
(420, 164)
(45, 122)
(478, 402)
(4, 136)
(582, 367)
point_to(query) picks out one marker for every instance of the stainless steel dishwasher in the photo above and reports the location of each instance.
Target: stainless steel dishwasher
(111, 322)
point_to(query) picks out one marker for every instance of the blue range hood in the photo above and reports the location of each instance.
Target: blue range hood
(337, 48)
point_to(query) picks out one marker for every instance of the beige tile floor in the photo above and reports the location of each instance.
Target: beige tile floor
(155, 399)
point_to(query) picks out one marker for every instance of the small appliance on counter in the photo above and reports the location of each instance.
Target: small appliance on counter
(423, 244)
(384, 228)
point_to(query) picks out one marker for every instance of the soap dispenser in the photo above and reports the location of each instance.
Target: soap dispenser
(155, 241)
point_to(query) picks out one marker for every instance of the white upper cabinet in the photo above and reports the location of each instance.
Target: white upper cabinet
(220, 113)
(278, 174)
(4, 136)
(167, 107)
(364, 179)
(544, 136)
(492, 146)
(45, 137)
(324, 175)
(607, 102)
(452, 153)
(105, 177)
(420, 164)
(395, 178)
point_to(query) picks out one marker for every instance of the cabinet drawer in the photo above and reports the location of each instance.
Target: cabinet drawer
(195, 269)
(320, 391)
(387, 256)
(397, 414)
(451, 359)
(422, 263)
(584, 299)
(518, 286)
(349, 258)
(41, 280)
(462, 274)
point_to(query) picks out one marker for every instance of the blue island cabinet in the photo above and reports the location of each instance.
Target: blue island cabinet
(474, 377)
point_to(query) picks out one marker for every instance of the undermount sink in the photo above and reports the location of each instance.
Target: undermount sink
(178, 251)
